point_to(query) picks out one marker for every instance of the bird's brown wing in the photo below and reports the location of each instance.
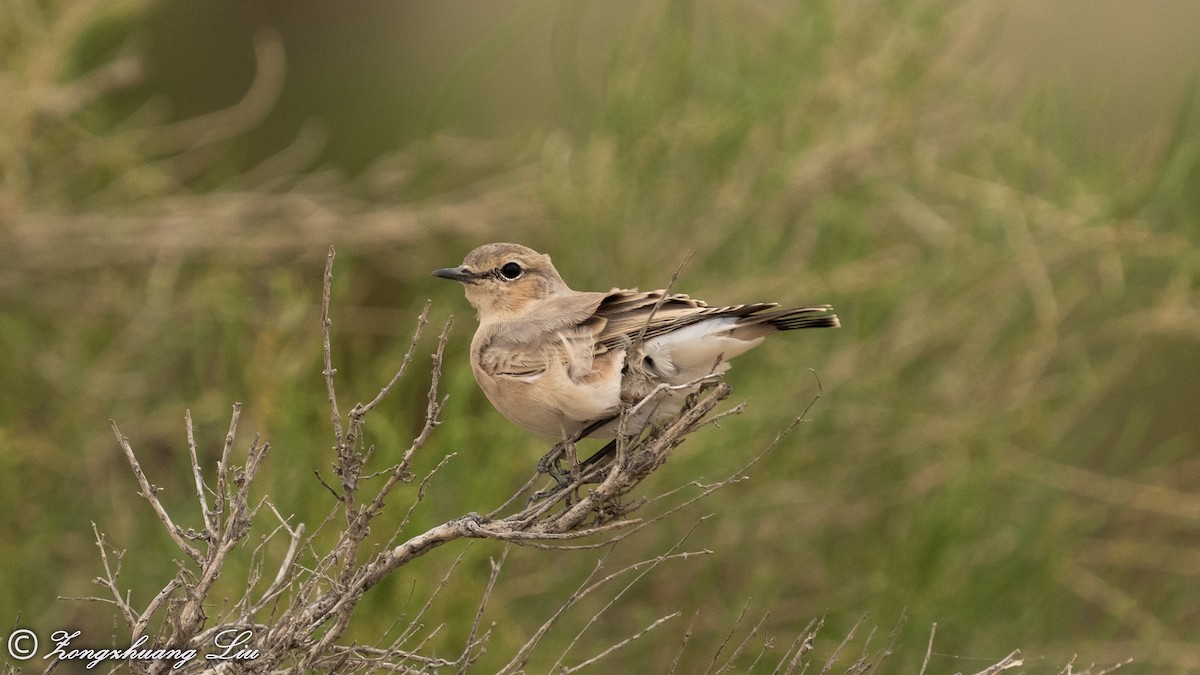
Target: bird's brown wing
(626, 313)
(562, 331)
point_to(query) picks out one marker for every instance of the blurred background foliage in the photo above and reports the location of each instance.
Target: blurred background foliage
(1002, 200)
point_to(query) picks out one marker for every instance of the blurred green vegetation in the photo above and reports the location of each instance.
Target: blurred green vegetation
(1006, 442)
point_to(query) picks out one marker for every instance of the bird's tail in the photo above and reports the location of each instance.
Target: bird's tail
(817, 316)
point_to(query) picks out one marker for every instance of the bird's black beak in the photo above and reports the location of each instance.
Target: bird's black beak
(457, 274)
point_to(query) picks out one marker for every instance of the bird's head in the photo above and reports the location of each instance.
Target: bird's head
(503, 281)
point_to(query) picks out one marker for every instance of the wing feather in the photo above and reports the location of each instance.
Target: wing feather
(627, 312)
(561, 333)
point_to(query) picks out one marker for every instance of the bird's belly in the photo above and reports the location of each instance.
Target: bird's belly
(552, 405)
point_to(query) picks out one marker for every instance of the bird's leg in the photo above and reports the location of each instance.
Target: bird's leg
(550, 463)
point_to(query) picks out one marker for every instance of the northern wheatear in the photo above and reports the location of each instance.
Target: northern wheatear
(553, 360)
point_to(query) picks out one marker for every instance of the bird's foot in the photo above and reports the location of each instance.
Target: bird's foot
(552, 464)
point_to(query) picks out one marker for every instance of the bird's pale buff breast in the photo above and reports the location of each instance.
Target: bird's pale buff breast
(550, 402)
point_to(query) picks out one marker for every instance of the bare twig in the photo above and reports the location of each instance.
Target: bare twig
(928, 649)
(209, 529)
(150, 493)
(361, 410)
(156, 603)
(583, 664)
(871, 662)
(329, 371)
(109, 580)
(433, 412)
(849, 636)
(496, 565)
(742, 645)
(223, 466)
(728, 636)
(669, 555)
(415, 624)
(286, 566)
(520, 658)
(421, 490)
(1013, 660)
(803, 644)
(641, 337)
(687, 636)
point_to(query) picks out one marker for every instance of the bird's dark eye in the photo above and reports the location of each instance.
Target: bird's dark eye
(511, 270)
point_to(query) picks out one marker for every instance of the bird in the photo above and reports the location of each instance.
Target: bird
(560, 363)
